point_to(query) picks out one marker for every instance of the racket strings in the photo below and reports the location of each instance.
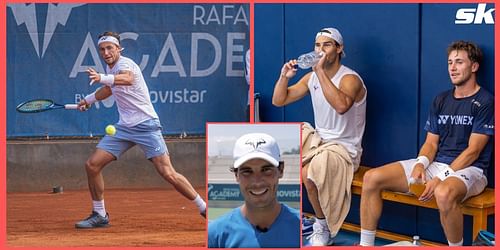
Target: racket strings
(35, 105)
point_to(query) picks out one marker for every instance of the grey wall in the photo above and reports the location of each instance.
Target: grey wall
(39, 165)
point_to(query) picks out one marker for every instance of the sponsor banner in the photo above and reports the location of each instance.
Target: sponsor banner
(191, 56)
(231, 192)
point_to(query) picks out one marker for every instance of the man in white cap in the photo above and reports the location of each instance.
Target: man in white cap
(261, 221)
(339, 102)
(138, 125)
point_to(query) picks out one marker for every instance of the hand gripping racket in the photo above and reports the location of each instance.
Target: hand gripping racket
(40, 105)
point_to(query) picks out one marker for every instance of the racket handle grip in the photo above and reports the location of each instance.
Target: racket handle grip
(71, 106)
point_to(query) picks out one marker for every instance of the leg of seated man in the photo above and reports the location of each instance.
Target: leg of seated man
(321, 233)
(449, 195)
(388, 177)
(312, 193)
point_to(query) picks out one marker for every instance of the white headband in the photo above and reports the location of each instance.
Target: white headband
(110, 39)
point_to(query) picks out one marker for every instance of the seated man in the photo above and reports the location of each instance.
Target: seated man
(338, 97)
(261, 221)
(454, 159)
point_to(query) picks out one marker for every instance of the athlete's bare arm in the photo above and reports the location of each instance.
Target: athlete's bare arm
(283, 94)
(124, 77)
(477, 142)
(341, 99)
(103, 93)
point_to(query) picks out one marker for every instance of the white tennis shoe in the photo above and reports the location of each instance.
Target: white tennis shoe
(320, 235)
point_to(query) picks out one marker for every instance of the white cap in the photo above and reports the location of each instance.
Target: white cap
(256, 146)
(333, 34)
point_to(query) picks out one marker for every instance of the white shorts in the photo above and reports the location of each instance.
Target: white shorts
(472, 177)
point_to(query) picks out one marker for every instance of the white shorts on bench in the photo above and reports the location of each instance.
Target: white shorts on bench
(472, 177)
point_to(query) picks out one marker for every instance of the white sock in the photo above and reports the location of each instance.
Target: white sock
(200, 203)
(322, 222)
(98, 206)
(367, 237)
(324, 225)
(458, 244)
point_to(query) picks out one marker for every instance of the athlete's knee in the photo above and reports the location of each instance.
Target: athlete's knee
(372, 180)
(304, 174)
(309, 185)
(92, 167)
(446, 197)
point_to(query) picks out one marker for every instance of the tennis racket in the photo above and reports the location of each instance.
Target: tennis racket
(40, 105)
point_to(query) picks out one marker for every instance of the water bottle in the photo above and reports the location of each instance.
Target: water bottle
(308, 60)
(416, 241)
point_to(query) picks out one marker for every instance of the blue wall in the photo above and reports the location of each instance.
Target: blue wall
(188, 54)
(400, 52)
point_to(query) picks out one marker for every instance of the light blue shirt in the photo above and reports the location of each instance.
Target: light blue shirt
(233, 230)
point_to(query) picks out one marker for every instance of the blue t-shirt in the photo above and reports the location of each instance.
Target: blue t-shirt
(454, 119)
(233, 230)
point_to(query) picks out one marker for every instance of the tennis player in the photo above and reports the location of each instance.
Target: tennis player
(261, 221)
(138, 125)
(338, 97)
(454, 159)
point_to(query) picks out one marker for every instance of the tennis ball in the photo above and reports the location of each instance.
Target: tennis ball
(110, 130)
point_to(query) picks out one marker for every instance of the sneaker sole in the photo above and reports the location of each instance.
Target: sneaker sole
(98, 226)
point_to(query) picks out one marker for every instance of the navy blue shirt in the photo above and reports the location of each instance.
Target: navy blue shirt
(454, 119)
(233, 230)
